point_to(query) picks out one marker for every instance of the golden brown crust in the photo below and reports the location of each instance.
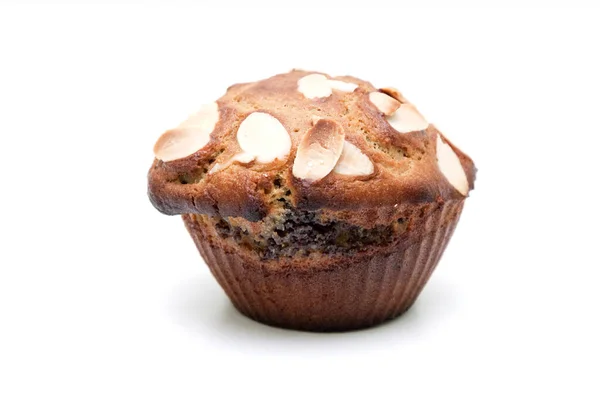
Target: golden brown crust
(405, 167)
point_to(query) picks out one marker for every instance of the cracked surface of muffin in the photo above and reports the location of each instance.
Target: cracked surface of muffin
(318, 202)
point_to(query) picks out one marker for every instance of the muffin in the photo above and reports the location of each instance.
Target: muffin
(318, 203)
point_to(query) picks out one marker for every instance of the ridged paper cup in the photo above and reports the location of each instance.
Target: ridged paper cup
(329, 292)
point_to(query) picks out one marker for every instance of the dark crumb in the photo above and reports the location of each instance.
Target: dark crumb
(303, 232)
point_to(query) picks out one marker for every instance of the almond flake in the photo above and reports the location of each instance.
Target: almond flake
(407, 119)
(353, 162)
(190, 136)
(450, 165)
(314, 86)
(384, 103)
(319, 151)
(263, 138)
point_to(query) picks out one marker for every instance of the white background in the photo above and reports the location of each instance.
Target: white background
(102, 297)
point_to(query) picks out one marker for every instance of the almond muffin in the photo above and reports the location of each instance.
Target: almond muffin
(318, 203)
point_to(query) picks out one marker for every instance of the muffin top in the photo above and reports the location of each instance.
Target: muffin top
(319, 142)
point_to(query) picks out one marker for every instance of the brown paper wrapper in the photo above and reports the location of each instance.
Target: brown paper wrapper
(330, 292)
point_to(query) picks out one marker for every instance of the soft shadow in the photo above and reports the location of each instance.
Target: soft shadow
(201, 307)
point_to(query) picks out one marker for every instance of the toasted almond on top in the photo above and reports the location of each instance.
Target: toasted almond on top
(243, 158)
(384, 103)
(353, 162)
(263, 138)
(407, 119)
(449, 164)
(190, 136)
(314, 86)
(319, 151)
(395, 93)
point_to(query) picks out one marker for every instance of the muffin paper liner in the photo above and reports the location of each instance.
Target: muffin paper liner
(333, 293)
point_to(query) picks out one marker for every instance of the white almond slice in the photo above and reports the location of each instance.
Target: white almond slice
(264, 138)
(190, 136)
(314, 86)
(319, 151)
(407, 119)
(384, 103)
(353, 162)
(450, 165)
(243, 158)
(395, 93)
(342, 86)
(217, 167)
(205, 118)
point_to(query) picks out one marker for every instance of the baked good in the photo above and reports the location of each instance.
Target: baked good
(318, 203)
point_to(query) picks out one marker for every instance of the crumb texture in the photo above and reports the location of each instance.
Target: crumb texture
(295, 233)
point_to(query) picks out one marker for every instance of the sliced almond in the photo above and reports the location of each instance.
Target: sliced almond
(342, 86)
(205, 118)
(314, 86)
(243, 158)
(319, 151)
(407, 119)
(384, 103)
(217, 167)
(395, 93)
(353, 162)
(190, 136)
(263, 138)
(449, 164)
